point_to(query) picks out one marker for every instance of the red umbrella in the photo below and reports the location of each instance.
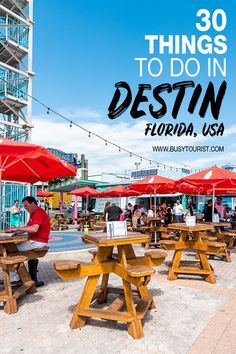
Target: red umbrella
(84, 192)
(153, 185)
(213, 176)
(25, 162)
(211, 179)
(44, 194)
(119, 191)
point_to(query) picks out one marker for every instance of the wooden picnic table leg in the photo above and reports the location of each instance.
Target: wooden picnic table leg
(102, 296)
(25, 277)
(10, 306)
(135, 327)
(143, 291)
(206, 266)
(176, 258)
(89, 289)
(85, 300)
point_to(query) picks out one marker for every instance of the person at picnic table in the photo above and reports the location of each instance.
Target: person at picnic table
(38, 229)
(130, 207)
(113, 213)
(189, 210)
(107, 205)
(168, 217)
(208, 211)
(15, 216)
(162, 210)
(136, 216)
(220, 209)
(178, 211)
(150, 213)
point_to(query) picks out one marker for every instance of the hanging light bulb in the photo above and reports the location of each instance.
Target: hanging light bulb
(130, 154)
(89, 135)
(48, 111)
(105, 142)
(119, 149)
(70, 124)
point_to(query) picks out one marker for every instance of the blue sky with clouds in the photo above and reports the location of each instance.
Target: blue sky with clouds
(82, 48)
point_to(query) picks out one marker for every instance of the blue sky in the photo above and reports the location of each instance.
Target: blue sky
(82, 48)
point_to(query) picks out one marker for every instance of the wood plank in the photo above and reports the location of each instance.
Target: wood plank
(3, 296)
(118, 304)
(120, 291)
(143, 306)
(22, 289)
(191, 270)
(105, 314)
(66, 264)
(139, 270)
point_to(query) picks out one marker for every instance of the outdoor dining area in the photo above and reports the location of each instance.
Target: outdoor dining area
(117, 240)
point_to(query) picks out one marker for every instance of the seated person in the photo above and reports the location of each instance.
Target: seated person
(168, 217)
(136, 216)
(208, 211)
(38, 229)
(150, 213)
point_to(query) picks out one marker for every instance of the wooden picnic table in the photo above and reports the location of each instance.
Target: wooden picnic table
(218, 248)
(125, 264)
(190, 237)
(59, 221)
(154, 228)
(15, 263)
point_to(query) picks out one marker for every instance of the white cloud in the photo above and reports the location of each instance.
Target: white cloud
(50, 131)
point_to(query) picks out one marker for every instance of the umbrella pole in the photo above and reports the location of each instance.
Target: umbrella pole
(213, 202)
(155, 202)
(1, 189)
(61, 200)
(76, 210)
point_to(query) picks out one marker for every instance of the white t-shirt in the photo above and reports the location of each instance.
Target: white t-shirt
(178, 209)
(221, 210)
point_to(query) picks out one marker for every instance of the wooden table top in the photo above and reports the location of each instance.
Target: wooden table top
(153, 218)
(5, 238)
(184, 227)
(221, 223)
(102, 240)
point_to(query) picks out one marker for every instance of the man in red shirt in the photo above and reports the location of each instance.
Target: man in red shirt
(38, 229)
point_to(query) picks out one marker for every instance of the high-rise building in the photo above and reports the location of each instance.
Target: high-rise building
(16, 36)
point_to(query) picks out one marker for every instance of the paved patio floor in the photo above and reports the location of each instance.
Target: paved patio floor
(192, 316)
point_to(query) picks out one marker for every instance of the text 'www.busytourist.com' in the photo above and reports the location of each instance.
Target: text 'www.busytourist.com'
(188, 148)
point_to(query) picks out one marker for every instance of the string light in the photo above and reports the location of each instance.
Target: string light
(89, 132)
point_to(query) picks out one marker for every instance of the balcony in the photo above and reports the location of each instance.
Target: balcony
(11, 33)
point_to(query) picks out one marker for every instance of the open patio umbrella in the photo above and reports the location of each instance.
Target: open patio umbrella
(153, 185)
(84, 192)
(30, 163)
(211, 179)
(119, 191)
(44, 194)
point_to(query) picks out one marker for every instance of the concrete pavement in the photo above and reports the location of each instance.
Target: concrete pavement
(192, 316)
